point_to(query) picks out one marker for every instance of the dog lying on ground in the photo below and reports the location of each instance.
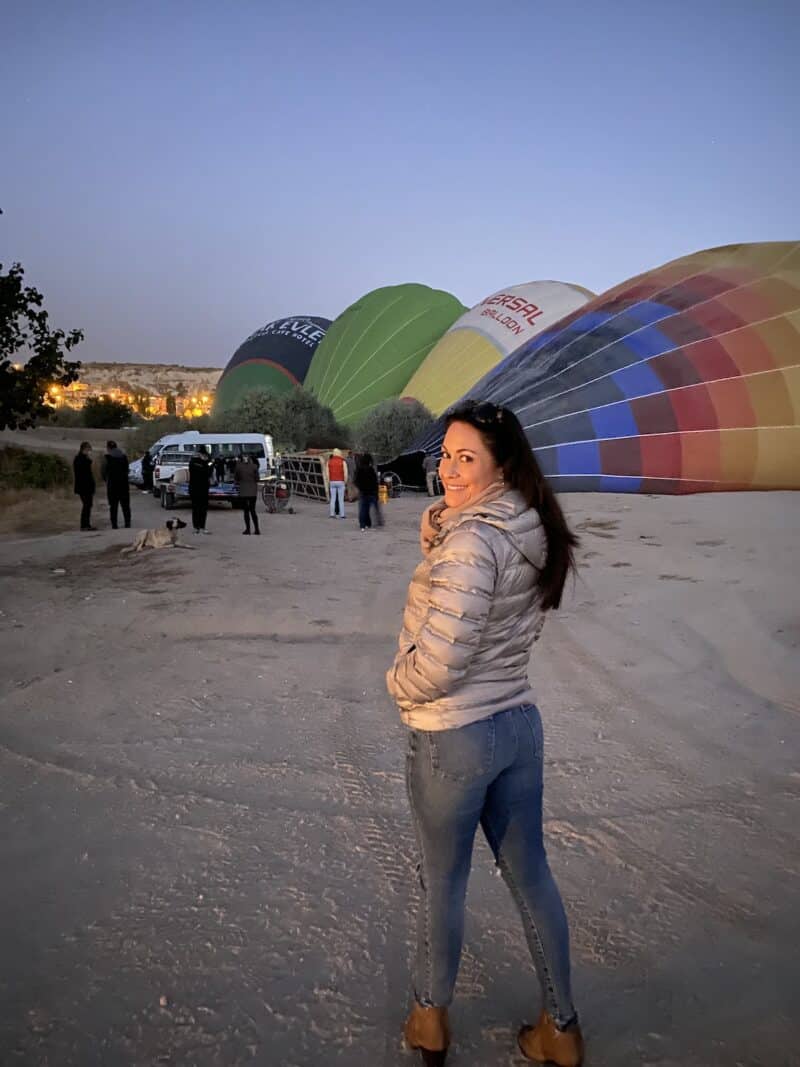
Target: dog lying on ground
(158, 538)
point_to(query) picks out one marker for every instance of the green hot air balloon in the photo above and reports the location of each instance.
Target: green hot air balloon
(374, 347)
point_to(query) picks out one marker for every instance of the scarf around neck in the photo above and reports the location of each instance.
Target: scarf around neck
(438, 516)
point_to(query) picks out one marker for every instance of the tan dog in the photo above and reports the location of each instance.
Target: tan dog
(158, 538)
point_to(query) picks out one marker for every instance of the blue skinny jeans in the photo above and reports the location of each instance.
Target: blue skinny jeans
(490, 772)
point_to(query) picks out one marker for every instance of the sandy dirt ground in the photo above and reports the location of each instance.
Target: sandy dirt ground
(63, 440)
(207, 854)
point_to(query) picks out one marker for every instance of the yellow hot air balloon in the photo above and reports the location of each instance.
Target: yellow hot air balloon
(486, 334)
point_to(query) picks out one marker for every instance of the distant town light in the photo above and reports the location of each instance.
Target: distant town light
(75, 395)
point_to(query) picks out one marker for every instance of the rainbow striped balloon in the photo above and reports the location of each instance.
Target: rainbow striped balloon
(684, 379)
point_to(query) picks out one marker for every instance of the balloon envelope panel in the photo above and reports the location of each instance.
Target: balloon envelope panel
(276, 357)
(684, 379)
(488, 332)
(375, 346)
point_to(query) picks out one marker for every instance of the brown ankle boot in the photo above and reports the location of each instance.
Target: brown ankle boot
(545, 1043)
(428, 1031)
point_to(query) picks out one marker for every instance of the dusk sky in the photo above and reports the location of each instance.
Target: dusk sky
(177, 174)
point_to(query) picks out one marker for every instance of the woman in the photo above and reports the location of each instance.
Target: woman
(84, 483)
(245, 474)
(366, 482)
(497, 552)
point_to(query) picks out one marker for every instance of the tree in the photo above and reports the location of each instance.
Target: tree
(171, 406)
(391, 427)
(313, 424)
(296, 420)
(24, 330)
(101, 412)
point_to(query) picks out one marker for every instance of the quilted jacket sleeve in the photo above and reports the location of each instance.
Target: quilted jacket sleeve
(462, 582)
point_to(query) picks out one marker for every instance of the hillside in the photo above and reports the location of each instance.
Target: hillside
(152, 379)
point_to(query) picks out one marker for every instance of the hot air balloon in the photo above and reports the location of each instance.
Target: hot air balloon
(276, 357)
(375, 346)
(684, 379)
(486, 334)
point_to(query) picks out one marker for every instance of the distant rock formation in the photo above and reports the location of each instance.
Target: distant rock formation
(151, 379)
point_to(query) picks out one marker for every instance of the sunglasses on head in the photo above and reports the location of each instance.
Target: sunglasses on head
(487, 413)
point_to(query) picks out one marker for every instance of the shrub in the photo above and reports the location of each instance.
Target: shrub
(68, 418)
(391, 427)
(20, 469)
(103, 413)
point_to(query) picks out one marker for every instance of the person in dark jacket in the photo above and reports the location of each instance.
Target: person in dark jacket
(366, 482)
(115, 475)
(219, 469)
(147, 473)
(200, 467)
(245, 474)
(84, 483)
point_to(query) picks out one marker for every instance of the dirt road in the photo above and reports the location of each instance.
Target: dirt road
(207, 852)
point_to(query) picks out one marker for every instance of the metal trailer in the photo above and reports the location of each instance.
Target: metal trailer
(175, 493)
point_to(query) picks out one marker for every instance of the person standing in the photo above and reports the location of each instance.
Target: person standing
(366, 481)
(497, 552)
(431, 468)
(219, 469)
(84, 483)
(115, 475)
(245, 474)
(337, 479)
(200, 467)
(147, 473)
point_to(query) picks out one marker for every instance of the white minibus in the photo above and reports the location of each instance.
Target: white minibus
(220, 444)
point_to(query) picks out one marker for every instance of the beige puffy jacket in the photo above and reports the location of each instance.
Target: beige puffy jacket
(471, 617)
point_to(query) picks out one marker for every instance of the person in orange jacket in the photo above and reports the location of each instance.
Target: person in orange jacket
(337, 479)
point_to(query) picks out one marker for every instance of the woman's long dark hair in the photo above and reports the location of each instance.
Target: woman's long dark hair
(504, 437)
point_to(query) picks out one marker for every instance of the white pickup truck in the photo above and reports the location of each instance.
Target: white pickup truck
(167, 466)
(171, 477)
